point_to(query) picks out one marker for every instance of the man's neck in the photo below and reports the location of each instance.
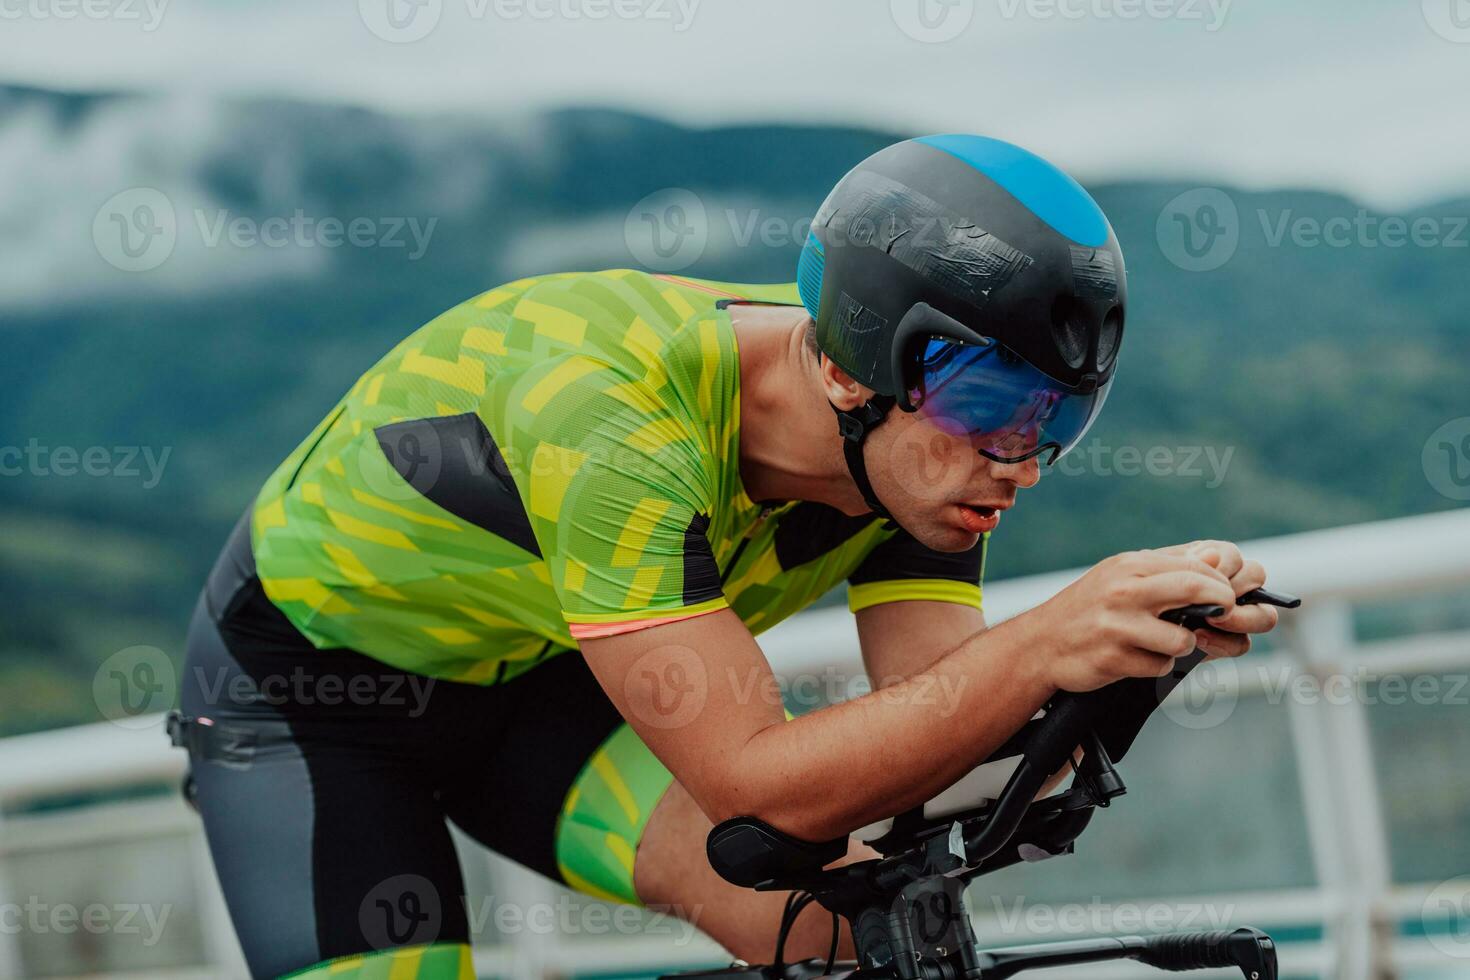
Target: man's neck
(788, 444)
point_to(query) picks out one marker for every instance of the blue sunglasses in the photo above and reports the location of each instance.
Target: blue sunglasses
(1009, 410)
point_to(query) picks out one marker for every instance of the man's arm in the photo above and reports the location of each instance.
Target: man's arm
(701, 695)
(899, 639)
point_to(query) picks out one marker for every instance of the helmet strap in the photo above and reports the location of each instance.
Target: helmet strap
(854, 425)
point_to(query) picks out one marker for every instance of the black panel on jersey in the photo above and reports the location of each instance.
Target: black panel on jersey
(453, 461)
(808, 531)
(701, 573)
(902, 556)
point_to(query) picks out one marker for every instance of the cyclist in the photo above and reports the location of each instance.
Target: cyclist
(511, 581)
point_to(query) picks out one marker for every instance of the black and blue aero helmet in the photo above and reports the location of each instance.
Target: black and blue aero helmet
(972, 281)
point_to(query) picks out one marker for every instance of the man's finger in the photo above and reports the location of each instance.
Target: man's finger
(1221, 555)
(1216, 643)
(1144, 663)
(1248, 619)
(1156, 637)
(1250, 575)
(1170, 590)
(1145, 563)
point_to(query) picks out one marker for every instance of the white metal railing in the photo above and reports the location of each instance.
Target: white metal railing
(1330, 569)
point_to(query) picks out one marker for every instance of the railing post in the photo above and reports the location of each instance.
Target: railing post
(10, 965)
(1340, 793)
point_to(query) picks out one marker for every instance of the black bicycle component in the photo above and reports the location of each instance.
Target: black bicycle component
(1193, 617)
(750, 853)
(907, 908)
(1250, 950)
(1265, 597)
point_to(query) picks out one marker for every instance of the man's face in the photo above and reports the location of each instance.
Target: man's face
(936, 485)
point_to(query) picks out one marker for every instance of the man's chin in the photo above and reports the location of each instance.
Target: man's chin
(943, 537)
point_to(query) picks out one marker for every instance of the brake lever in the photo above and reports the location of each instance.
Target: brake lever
(1196, 617)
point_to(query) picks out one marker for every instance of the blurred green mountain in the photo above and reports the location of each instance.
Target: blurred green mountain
(1292, 387)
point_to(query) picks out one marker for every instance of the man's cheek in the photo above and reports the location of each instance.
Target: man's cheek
(928, 466)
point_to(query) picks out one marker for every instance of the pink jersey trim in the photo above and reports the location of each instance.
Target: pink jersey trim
(694, 285)
(593, 631)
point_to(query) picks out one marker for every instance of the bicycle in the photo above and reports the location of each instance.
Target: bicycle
(907, 907)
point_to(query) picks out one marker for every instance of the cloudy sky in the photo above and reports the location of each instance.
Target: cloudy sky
(1355, 95)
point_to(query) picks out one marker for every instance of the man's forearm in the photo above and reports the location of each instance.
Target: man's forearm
(837, 769)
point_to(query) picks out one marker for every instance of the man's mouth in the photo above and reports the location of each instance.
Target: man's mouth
(980, 518)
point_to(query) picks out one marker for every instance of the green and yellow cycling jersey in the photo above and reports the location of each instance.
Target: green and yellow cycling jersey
(553, 460)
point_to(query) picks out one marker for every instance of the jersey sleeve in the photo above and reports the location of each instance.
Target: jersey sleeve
(902, 568)
(617, 492)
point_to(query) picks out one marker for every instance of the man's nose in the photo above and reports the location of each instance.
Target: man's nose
(1024, 474)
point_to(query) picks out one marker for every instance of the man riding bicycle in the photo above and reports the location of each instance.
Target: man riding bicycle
(515, 575)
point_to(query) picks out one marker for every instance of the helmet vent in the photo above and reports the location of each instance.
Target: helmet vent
(809, 274)
(1069, 330)
(1108, 337)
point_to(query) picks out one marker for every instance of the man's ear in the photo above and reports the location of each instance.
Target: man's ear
(841, 390)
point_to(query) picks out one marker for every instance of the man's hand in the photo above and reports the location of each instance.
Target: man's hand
(1105, 626)
(1230, 636)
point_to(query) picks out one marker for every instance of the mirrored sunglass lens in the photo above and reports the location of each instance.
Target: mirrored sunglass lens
(1007, 407)
(978, 390)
